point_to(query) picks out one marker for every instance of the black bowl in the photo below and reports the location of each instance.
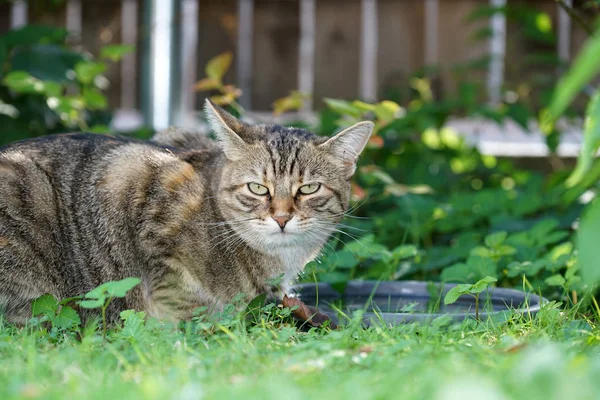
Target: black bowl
(409, 301)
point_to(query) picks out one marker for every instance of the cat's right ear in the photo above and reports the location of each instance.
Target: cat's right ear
(225, 126)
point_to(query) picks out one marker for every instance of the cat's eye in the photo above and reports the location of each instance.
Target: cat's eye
(310, 188)
(258, 189)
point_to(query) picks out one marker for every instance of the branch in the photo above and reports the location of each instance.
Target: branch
(576, 16)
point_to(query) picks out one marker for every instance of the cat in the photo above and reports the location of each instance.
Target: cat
(198, 221)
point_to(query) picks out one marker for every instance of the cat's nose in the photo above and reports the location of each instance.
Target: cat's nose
(282, 220)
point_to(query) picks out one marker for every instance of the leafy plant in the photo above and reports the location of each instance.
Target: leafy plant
(102, 296)
(45, 87)
(59, 314)
(471, 290)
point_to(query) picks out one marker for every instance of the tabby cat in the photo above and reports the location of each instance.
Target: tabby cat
(197, 221)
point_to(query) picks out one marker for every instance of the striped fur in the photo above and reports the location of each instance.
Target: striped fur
(78, 210)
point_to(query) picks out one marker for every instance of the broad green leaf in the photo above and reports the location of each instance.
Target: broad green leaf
(405, 251)
(120, 288)
(527, 268)
(544, 227)
(481, 251)
(94, 99)
(22, 82)
(87, 71)
(457, 291)
(92, 303)
(495, 239)
(66, 318)
(364, 107)
(47, 62)
(115, 52)
(53, 89)
(343, 107)
(67, 300)
(588, 238)
(591, 141)
(386, 110)
(555, 280)
(34, 34)
(561, 250)
(584, 68)
(44, 305)
(345, 259)
(217, 67)
(482, 284)
(473, 270)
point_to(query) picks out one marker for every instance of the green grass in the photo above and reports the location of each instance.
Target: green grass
(551, 356)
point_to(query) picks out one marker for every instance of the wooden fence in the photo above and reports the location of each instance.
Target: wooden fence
(334, 48)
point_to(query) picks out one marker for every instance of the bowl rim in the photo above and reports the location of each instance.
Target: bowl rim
(411, 288)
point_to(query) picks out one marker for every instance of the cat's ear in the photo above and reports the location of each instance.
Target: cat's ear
(349, 143)
(226, 128)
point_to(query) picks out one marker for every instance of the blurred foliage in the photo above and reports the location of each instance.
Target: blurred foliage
(45, 87)
(430, 206)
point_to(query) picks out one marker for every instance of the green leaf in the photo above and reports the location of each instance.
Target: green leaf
(22, 82)
(343, 107)
(120, 288)
(94, 99)
(218, 66)
(92, 303)
(495, 239)
(99, 129)
(473, 270)
(555, 280)
(67, 318)
(591, 141)
(34, 34)
(67, 300)
(44, 305)
(405, 251)
(115, 52)
(587, 243)
(482, 284)
(53, 89)
(457, 291)
(527, 268)
(46, 62)
(584, 68)
(345, 259)
(386, 110)
(87, 71)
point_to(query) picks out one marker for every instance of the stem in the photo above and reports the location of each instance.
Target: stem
(477, 307)
(575, 16)
(104, 318)
(104, 323)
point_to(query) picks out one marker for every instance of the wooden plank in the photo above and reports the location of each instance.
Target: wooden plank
(497, 45)
(74, 17)
(189, 61)
(564, 33)
(431, 32)
(368, 50)
(18, 14)
(129, 35)
(244, 50)
(306, 60)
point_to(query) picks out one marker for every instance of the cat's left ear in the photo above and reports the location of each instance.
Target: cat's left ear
(349, 143)
(226, 128)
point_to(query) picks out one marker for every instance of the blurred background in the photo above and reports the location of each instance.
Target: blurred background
(490, 51)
